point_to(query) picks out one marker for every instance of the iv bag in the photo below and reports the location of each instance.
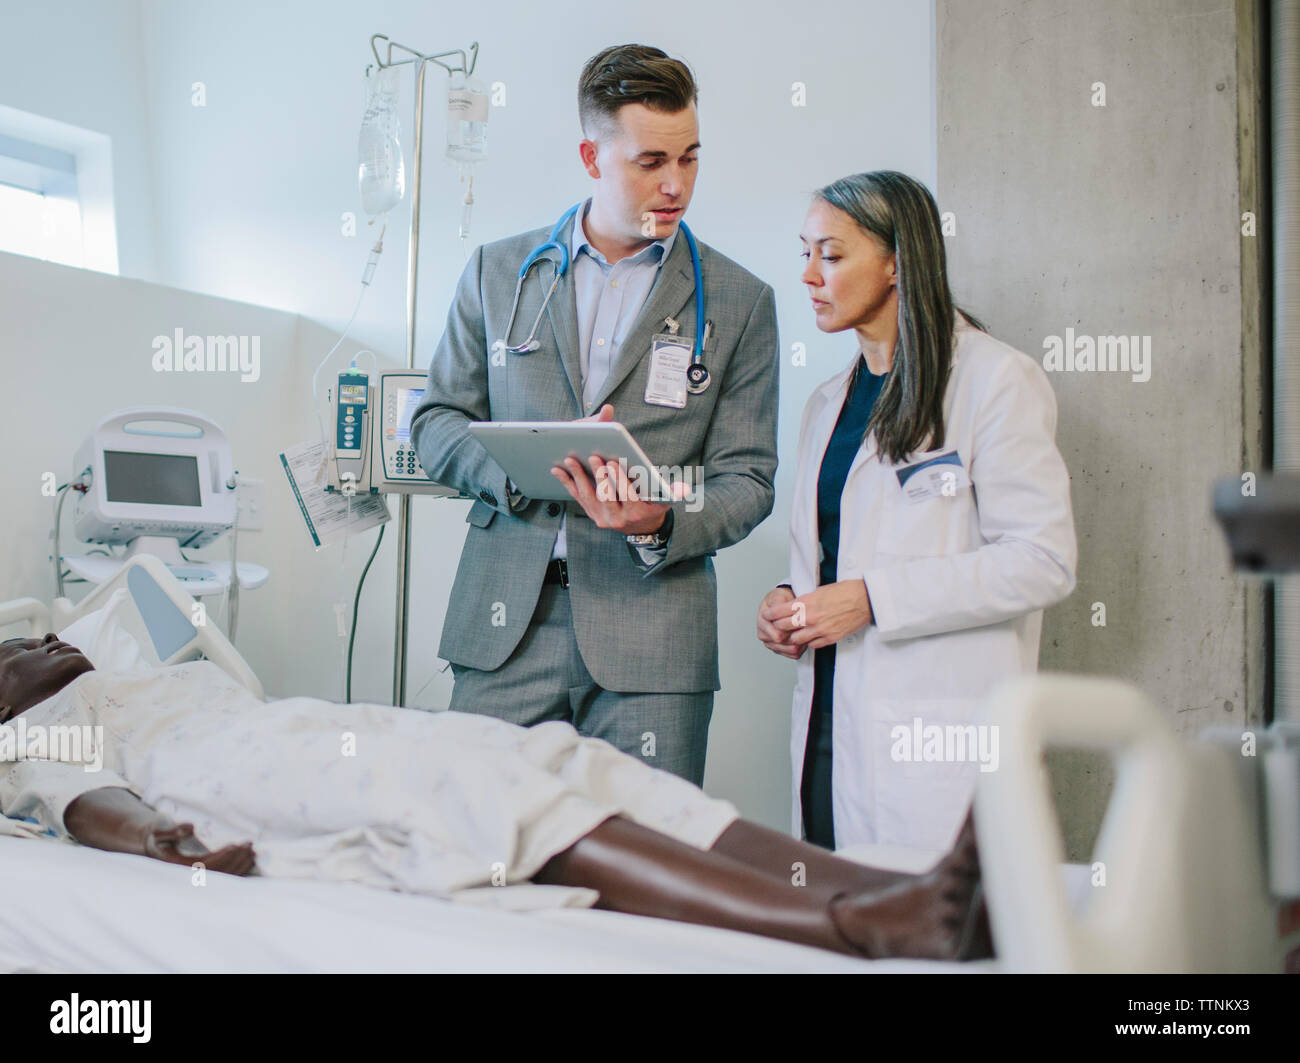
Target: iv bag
(380, 172)
(467, 115)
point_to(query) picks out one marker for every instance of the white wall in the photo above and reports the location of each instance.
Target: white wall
(81, 344)
(78, 344)
(1103, 220)
(248, 192)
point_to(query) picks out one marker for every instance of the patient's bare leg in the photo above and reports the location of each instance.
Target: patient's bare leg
(642, 872)
(780, 856)
(777, 855)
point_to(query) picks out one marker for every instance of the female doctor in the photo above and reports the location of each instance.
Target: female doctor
(931, 525)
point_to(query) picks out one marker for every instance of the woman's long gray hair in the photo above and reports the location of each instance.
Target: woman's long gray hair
(900, 212)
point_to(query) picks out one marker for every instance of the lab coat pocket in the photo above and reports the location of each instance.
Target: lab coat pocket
(926, 756)
(930, 506)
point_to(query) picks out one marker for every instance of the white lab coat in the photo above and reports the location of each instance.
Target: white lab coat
(957, 586)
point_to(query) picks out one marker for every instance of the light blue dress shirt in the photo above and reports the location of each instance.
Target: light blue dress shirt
(609, 300)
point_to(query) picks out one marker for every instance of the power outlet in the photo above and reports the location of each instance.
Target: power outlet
(252, 504)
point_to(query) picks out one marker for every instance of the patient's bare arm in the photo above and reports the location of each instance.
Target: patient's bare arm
(115, 819)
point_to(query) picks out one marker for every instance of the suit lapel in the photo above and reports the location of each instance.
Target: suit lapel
(836, 391)
(869, 448)
(562, 312)
(675, 284)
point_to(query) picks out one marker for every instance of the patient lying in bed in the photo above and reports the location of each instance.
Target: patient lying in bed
(438, 803)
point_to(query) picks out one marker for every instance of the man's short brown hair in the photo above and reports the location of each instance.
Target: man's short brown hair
(631, 73)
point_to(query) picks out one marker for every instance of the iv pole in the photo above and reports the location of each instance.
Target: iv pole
(422, 62)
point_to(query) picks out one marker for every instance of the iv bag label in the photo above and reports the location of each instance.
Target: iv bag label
(466, 106)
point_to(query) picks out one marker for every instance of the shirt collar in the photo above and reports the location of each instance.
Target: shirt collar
(578, 241)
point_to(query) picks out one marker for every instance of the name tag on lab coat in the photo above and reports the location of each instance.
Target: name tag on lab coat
(666, 383)
(939, 477)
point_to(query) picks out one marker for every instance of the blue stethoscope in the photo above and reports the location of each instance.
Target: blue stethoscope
(697, 376)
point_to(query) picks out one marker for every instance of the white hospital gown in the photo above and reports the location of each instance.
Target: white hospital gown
(425, 802)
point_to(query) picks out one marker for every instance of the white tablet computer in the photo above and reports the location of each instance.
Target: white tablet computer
(528, 449)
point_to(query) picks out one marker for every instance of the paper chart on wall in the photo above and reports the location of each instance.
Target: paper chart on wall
(327, 514)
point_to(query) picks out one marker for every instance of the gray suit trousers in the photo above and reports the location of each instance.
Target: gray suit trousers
(546, 678)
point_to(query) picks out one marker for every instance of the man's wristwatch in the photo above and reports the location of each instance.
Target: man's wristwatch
(655, 540)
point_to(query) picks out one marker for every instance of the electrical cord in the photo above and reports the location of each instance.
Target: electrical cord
(57, 549)
(356, 605)
(366, 277)
(232, 587)
(78, 483)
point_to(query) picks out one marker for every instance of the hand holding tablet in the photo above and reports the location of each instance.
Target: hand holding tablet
(598, 448)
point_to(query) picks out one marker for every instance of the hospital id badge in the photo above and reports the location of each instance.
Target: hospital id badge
(939, 477)
(669, 358)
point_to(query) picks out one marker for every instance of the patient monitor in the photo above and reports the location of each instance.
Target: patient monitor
(155, 472)
(156, 480)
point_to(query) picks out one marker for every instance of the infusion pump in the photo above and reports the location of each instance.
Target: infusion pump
(371, 439)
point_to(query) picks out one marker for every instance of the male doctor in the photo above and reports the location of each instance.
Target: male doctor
(602, 610)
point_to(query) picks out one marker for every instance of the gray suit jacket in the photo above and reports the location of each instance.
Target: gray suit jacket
(638, 629)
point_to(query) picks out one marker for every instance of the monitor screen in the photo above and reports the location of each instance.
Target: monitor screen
(152, 479)
(407, 401)
(352, 394)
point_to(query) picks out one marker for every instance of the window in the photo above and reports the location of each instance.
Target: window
(40, 214)
(56, 199)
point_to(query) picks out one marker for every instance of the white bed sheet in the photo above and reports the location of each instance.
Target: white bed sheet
(78, 910)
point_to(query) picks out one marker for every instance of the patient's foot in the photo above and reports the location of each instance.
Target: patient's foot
(937, 916)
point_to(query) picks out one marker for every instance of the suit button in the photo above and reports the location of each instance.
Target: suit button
(488, 497)
(553, 509)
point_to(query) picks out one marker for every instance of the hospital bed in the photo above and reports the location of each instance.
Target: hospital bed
(165, 623)
(100, 911)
